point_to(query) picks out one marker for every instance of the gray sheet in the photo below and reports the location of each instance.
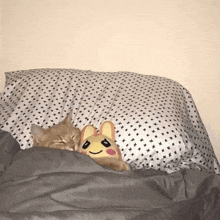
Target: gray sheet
(46, 183)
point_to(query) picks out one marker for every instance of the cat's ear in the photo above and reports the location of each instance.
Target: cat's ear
(67, 120)
(37, 132)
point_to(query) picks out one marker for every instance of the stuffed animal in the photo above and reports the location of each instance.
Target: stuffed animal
(101, 146)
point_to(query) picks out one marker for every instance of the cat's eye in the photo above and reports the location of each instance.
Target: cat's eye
(86, 144)
(105, 143)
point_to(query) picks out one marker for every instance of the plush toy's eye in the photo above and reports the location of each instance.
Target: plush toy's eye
(86, 144)
(105, 143)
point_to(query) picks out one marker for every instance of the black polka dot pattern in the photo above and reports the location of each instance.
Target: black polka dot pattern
(157, 123)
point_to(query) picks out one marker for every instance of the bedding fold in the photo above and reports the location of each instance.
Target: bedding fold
(69, 184)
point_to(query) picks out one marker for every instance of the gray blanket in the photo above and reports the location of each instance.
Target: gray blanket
(43, 183)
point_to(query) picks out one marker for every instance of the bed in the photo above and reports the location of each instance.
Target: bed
(175, 173)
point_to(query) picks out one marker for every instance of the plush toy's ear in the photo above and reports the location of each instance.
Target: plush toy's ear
(107, 129)
(88, 131)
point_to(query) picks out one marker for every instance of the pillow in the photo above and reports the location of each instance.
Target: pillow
(8, 148)
(156, 121)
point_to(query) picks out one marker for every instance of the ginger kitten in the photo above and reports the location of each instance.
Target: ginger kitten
(61, 136)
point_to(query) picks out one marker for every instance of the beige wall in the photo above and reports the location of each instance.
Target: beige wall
(178, 39)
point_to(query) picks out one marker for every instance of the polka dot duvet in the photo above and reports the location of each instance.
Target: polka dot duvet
(156, 121)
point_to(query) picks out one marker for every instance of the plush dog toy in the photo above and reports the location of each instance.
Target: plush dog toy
(99, 145)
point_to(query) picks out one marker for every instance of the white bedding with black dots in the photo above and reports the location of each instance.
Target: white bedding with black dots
(156, 120)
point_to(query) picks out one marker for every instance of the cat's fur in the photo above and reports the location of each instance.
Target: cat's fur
(61, 136)
(66, 137)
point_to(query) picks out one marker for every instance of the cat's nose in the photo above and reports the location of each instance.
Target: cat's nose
(76, 147)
